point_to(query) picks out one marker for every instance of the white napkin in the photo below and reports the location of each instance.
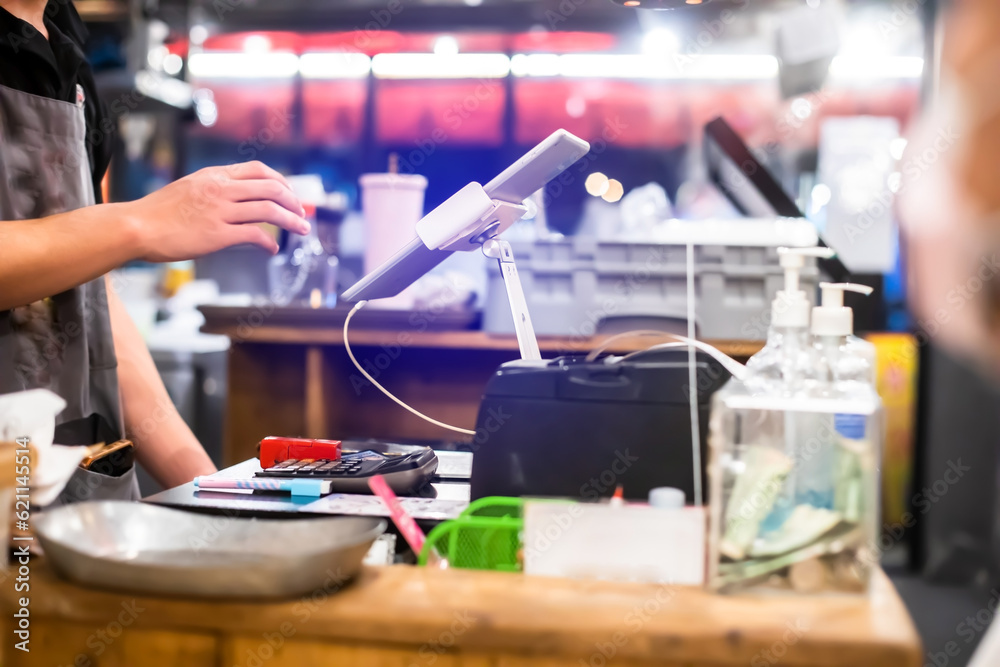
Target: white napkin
(32, 414)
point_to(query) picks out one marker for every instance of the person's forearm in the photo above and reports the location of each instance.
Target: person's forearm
(164, 444)
(201, 213)
(46, 256)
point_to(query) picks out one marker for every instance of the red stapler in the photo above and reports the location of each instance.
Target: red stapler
(275, 449)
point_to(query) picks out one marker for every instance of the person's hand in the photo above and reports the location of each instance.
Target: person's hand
(213, 209)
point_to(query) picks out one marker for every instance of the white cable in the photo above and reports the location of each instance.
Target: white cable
(693, 381)
(347, 346)
(658, 346)
(608, 342)
(735, 368)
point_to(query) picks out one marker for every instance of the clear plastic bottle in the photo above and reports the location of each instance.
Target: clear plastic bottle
(782, 364)
(781, 367)
(837, 354)
(305, 273)
(841, 368)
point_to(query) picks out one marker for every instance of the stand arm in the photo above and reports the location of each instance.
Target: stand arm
(526, 340)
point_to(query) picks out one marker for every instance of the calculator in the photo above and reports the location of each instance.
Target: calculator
(404, 471)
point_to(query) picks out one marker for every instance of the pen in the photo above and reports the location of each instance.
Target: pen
(297, 487)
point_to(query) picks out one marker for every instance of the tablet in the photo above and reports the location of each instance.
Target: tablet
(513, 185)
(537, 167)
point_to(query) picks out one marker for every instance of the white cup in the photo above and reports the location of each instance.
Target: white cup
(392, 205)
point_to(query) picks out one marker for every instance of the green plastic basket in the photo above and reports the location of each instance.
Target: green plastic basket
(486, 536)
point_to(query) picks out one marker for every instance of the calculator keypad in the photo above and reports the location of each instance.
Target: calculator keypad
(319, 467)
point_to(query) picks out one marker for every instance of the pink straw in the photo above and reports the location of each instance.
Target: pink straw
(404, 521)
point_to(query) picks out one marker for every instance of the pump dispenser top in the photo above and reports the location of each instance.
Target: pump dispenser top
(832, 317)
(790, 307)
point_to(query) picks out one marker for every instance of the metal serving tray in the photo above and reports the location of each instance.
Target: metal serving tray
(143, 548)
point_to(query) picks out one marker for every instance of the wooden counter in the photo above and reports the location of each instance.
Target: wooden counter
(291, 375)
(412, 617)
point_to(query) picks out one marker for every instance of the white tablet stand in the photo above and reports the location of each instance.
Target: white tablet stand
(470, 218)
(499, 250)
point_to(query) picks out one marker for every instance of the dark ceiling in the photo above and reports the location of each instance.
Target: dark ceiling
(433, 15)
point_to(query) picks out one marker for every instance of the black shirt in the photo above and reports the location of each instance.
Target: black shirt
(53, 68)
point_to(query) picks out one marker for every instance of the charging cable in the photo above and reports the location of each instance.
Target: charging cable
(347, 345)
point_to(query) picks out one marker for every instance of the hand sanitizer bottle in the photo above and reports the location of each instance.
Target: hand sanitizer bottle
(837, 352)
(782, 363)
(780, 368)
(842, 369)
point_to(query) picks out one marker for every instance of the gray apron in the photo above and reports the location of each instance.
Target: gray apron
(62, 343)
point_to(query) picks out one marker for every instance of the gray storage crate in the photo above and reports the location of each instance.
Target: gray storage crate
(578, 286)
